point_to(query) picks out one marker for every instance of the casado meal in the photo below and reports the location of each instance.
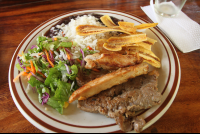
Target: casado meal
(83, 47)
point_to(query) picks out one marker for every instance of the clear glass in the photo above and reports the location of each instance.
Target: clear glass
(168, 8)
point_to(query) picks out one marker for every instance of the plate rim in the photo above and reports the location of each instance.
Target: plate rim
(11, 84)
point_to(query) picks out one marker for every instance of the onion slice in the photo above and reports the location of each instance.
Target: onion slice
(82, 62)
(33, 46)
(67, 50)
(67, 68)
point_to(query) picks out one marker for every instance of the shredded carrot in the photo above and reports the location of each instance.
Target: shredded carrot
(48, 57)
(29, 75)
(41, 74)
(55, 39)
(32, 67)
(25, 73)
(88, 47)
(96, 70)
(28, 68)
(17, 77)
(57, 49)
(40, 53)
(63, 34)
(19, 55)
(68, 56)
(78, 60)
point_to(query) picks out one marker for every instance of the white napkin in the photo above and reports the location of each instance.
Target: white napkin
(183, 32)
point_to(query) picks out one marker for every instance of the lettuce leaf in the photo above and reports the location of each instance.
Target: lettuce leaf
(74, 72)
(39, 85)
(40, 39)
(36, 67)
(63, 92)
(53, 77)
(36, 83)
(56, 104)
(19, 67)
(65, 44)
(61, 66)
(61, 96)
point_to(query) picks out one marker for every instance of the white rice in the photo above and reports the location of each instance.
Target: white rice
(82, 42)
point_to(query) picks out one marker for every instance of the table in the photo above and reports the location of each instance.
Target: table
(19, 17)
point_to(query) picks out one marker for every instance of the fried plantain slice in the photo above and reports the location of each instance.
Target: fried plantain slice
(146, 25)
(114, 46)
(92, 29)
(134, 38)
(147, 55)
(127, 26)
(107, 81)
(116, 43)
(148, 59)
(107, 21)
(101, 49)
(144, 45)
(150, 41)
(142, 50)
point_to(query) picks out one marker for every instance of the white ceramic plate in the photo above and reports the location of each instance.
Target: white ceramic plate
(75, 120)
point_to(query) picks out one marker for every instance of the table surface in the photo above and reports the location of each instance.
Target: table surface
(19, 17)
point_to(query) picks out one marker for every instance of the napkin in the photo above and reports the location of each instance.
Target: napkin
(181, 30)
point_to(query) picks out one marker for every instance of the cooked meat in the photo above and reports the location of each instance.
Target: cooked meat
(107, 81)
(138, 123)
(111, 61)
(121, 101)
(89, 75)
(128, 124)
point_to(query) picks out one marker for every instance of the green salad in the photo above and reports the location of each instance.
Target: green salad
(51, 69)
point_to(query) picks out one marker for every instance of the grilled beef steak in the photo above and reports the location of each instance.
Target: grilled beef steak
(121, 101)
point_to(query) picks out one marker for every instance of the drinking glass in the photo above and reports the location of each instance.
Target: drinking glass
(168, 8)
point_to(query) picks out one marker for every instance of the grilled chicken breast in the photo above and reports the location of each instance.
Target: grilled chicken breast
(111, 61)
